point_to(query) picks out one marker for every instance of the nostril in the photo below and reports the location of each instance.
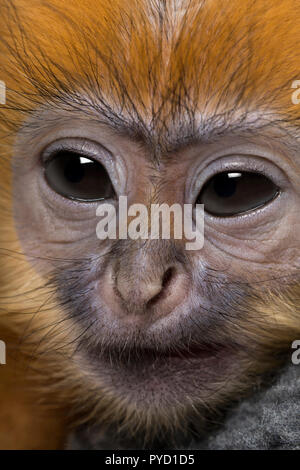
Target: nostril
(165, 283)
(167, 277)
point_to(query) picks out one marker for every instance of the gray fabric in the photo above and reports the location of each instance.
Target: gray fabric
(269, 419)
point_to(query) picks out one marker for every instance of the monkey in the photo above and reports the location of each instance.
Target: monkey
(142, 342)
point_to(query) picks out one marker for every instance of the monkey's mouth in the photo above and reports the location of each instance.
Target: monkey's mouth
(163, 378)
(205, 355)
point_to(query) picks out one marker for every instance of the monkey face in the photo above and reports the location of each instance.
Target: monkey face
(155, 324)
(150, 327)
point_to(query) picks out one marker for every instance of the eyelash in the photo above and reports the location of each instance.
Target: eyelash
(46, 156)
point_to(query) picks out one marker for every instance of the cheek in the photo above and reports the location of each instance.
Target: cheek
(263, 246)
(250, 263)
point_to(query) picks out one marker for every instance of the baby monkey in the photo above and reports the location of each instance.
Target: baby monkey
(140, 340)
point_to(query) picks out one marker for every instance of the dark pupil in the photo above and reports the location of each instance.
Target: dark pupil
(77, 177)
(225, 186)
(230, 193)
(74, 171)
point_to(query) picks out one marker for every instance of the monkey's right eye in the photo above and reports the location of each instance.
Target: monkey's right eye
(78, 177)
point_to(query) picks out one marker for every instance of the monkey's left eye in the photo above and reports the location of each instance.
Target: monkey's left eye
(75, 176)
(233, 193)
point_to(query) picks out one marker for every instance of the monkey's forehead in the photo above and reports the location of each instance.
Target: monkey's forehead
(154, 62)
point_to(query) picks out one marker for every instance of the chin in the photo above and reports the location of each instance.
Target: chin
(161, 399)
(161, 391)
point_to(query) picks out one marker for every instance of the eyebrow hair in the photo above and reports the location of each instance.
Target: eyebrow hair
(165, 139)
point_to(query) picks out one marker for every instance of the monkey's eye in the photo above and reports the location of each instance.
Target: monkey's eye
(232, 193)
(75, 176)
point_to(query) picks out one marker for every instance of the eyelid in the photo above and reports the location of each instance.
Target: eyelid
(88, 148)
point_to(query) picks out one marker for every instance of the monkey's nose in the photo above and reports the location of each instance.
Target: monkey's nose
(157, 294)
(146, 292)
